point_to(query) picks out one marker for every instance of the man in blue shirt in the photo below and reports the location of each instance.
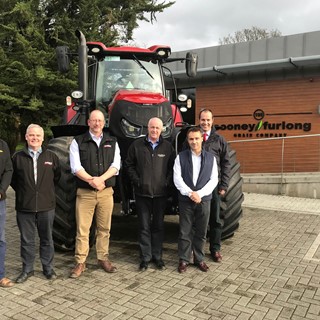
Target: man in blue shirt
(36, 171)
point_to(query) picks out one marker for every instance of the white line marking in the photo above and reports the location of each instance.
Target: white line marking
(313, 249)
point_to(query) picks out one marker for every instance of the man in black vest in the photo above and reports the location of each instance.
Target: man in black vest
(195, 176)
(95, 160)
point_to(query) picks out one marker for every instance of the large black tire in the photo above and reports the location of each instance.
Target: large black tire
(64, 227)
(230, 206)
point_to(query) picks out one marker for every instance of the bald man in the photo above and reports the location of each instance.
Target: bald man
(149, 165)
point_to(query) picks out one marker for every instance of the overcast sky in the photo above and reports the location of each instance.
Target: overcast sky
(191, 24)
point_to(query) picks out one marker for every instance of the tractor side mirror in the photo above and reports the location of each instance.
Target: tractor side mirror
(63, 59)
(191, 64)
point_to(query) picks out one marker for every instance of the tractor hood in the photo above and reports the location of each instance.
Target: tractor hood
(131, 110)
(139, 96)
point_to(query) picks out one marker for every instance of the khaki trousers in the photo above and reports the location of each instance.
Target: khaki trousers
(90, 203)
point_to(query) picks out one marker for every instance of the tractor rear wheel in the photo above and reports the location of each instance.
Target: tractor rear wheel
(64, 226)
(230, 204)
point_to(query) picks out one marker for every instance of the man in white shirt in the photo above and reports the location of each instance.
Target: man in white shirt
(95, 161)
(217, 145)
(195, 176)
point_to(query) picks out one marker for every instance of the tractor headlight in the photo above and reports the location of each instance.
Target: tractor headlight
(130, 130)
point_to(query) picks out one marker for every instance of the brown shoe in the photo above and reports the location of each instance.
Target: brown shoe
(216, 256)
(6, 283)
(202, 266)
(107, 266)
(182, 268)
(77, 270)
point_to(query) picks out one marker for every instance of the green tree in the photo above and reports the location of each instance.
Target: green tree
(31, 89)
(245, 35)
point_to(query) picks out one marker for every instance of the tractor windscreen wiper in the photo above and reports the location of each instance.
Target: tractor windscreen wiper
(142, 66)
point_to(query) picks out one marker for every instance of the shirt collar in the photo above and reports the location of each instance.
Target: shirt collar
(95, 137)
(31, 151)
(207, 132)
(152, 142)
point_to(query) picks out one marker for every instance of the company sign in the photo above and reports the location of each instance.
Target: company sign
(271, 129)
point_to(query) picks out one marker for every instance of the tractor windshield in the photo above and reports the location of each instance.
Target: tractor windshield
(130, 74)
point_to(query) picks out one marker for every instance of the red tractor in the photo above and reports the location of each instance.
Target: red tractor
(127, 85)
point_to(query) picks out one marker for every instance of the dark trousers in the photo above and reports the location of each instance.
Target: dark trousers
(215, 224)
(151, 226)
(29, 223)
(193, 221)
(2, 238)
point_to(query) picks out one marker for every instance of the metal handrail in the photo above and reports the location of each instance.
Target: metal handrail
(273, 162)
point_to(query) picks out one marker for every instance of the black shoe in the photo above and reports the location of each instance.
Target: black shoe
(160, 264)
(51, 275)
(143, 266)
(23, 277)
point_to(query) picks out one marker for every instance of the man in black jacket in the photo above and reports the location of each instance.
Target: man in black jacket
(215, 144)
(5, 178)
(35, 173)
(149, 165)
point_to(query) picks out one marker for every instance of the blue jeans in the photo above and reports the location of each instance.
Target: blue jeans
(2, 237)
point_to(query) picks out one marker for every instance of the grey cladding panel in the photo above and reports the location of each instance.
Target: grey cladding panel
(276, 48)
(226, 54)
(242, 52)
(208, 57)
(298, 45)
(312, 43)
(295, 45)
(258, 50)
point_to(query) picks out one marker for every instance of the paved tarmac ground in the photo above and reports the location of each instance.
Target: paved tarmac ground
(270, 270)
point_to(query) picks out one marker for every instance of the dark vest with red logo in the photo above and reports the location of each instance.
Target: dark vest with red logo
(96, 160)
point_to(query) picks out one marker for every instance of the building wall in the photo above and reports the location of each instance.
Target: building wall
(263, 110)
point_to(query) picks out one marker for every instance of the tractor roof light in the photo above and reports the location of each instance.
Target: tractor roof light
(96, 50)
(164, 52)
(77, 94)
